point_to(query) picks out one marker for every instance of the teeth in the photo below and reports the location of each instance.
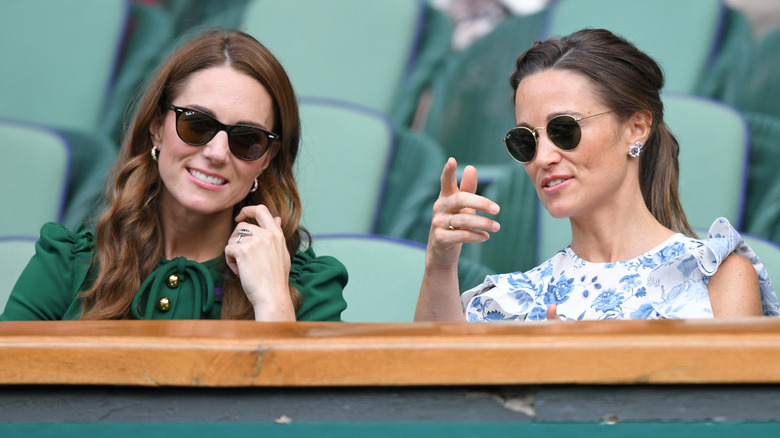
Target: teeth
(205, 178)
(555, 182)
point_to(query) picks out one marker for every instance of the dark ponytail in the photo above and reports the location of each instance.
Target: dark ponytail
(628, 81)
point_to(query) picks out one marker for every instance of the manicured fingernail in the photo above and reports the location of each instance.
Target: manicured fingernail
(494, 208)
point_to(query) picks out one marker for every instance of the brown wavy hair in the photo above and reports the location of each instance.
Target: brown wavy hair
(627, 80)
(129, 233)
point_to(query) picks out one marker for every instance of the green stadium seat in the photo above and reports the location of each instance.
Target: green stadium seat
(682, 36)
(59, 60)
(342, 166)
(15, 252)
(384, 275)
(36, 163)
(353, 50)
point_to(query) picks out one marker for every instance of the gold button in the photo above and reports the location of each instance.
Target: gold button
(165, 304)
(173, 281)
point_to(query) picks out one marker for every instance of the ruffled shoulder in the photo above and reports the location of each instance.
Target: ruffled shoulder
(678, 287)
(321, 281)
(48, 287)
(56, 238)
(74, 249)
(503, 297)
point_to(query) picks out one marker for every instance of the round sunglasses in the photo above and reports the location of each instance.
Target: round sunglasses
(197, 128)
(563, 131)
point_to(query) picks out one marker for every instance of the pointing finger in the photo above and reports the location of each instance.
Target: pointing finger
(449, 179)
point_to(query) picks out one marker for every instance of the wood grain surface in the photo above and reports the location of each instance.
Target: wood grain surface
(245, 353)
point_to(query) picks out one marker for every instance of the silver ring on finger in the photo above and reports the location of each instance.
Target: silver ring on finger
(449, 223)
(241, 233)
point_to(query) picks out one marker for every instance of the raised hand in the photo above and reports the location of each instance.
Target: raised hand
(454, 219)
(454, 223)
(258, 255)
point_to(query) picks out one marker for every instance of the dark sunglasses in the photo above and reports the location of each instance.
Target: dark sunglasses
(197, 128)
(563, 131)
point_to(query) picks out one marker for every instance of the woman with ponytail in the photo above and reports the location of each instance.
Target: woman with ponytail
(591, 135)
(202, 217)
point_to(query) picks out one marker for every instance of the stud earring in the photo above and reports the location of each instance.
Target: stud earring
(155, 153)
(635, 149)
(254, 187)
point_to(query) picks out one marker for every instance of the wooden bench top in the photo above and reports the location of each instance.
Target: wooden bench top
(246, 353)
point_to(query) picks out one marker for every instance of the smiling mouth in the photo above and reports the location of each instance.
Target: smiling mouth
(205, 178)
(555, 182)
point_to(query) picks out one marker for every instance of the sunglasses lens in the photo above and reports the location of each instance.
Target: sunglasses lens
(196, 128)
(521, 144)
(564, 132)
(248, 143)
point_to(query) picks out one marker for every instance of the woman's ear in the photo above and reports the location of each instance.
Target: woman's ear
(156, 131)
(269, 155)
(639, 126)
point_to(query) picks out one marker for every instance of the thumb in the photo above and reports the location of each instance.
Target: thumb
(552, 312)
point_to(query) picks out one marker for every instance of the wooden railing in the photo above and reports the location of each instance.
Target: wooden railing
(242, 353)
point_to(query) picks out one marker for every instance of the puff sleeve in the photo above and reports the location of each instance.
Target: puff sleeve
(48, 287)
(678, 287)
(321, 281)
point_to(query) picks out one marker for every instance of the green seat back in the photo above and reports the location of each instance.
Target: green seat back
(680, 35)
(353, 50)
(713, 158)
(342, 166)
(384, 275)
(36, 164)
(762, 203)
(58, 59)
(15, 252)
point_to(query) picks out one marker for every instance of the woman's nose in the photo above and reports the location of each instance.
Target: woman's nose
(217, 149)
(546, 152)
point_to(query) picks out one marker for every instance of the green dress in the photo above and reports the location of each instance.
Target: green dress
(178, 289)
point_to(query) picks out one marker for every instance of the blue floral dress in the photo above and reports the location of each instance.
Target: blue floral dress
(669, 281)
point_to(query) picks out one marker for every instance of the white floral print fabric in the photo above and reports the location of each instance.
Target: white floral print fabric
(669, 281)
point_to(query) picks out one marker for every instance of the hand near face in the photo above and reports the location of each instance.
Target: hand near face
(262, 262)
(454, 215)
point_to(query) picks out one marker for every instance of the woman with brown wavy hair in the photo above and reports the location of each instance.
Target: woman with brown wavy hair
(203, 209)
(591, 135)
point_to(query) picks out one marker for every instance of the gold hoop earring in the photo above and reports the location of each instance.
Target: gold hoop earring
(254, 187)
(155, 153)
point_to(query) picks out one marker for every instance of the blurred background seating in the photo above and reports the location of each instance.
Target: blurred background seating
(36, 162)
(15, 251)
(384, 275)
(413, 70)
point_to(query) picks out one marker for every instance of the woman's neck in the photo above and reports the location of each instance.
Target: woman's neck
(196, 237)
(612, 236)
